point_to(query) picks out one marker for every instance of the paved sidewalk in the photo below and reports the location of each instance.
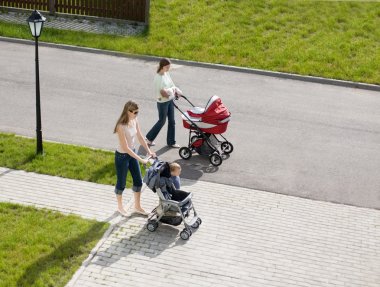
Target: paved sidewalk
(247, 238)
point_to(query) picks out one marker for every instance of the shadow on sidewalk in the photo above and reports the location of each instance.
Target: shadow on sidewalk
(61, 256)
(134, 238)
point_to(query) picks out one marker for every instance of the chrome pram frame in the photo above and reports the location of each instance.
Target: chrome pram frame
(171, 208)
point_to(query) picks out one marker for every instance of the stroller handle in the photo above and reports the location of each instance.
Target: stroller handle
(151, 159)
(183, 96)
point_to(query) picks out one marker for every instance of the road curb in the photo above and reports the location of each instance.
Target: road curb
(319, 80)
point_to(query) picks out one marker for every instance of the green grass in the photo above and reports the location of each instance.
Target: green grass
(334, 39)
(62, 160)
(41, 247)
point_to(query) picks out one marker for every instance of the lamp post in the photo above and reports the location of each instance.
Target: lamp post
(36, 22)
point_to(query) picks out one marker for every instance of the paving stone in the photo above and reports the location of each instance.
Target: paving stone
(247, 238)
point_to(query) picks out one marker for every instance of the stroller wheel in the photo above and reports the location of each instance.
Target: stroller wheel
(199, 220)
(227, 147)
(185, 153)
(195, 225)
(185, 234)
(216, 159)
(152, 225)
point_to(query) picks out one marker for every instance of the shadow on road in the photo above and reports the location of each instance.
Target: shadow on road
(193, 168)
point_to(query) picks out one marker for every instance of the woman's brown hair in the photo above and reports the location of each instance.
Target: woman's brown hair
(163, 62)
(124, 118)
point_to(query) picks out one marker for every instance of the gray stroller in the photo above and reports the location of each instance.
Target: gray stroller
(175, 206)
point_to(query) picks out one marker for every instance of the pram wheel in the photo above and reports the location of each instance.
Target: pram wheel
(227, 147)
(152, 225)
(195, 225)
(185, 234)
(185, 153)
(216, 159)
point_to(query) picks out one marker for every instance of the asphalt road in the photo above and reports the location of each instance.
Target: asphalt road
(291, 137)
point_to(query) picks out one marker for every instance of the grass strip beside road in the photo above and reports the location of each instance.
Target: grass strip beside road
(39, 247)
(69, 161)
(333, 39)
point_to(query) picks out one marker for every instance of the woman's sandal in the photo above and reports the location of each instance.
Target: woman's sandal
(122, 213)
(141, 212)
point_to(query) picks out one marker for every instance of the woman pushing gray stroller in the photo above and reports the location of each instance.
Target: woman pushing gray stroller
(175, 205)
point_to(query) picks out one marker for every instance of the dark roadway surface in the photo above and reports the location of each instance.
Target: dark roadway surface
(291, 137)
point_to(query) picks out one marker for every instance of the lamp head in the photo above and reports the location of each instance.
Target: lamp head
(36, 22)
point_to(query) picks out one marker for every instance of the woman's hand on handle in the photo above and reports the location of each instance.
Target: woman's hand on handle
(152, 154)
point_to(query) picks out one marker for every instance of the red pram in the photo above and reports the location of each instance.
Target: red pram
(204, 125)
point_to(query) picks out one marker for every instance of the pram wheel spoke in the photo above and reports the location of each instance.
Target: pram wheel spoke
(216, 159)
(185, 153)
(227, 147)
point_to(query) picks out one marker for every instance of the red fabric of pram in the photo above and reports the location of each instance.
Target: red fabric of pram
(215, 113)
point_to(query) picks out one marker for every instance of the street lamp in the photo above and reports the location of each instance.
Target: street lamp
(36, 22)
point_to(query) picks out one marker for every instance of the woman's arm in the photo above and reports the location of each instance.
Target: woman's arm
(163, 83)
(124, 145)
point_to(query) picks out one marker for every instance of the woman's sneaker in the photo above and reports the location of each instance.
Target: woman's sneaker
(149, 142)
(175, 146)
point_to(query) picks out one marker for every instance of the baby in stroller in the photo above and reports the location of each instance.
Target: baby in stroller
(175, 205)
(170, 182)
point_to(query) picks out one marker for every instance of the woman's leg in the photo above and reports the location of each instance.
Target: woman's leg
(162, 114)
(120, 208)
(136, 196)
(121, 164)
(170, 138)
(134, 168)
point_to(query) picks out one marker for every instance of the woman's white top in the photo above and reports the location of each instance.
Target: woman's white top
(162, 82)
(130, 131)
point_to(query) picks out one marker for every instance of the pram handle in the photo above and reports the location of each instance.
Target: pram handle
(183, 96)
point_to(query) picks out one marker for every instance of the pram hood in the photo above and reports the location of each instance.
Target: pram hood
(213, 118)
(214, 113)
